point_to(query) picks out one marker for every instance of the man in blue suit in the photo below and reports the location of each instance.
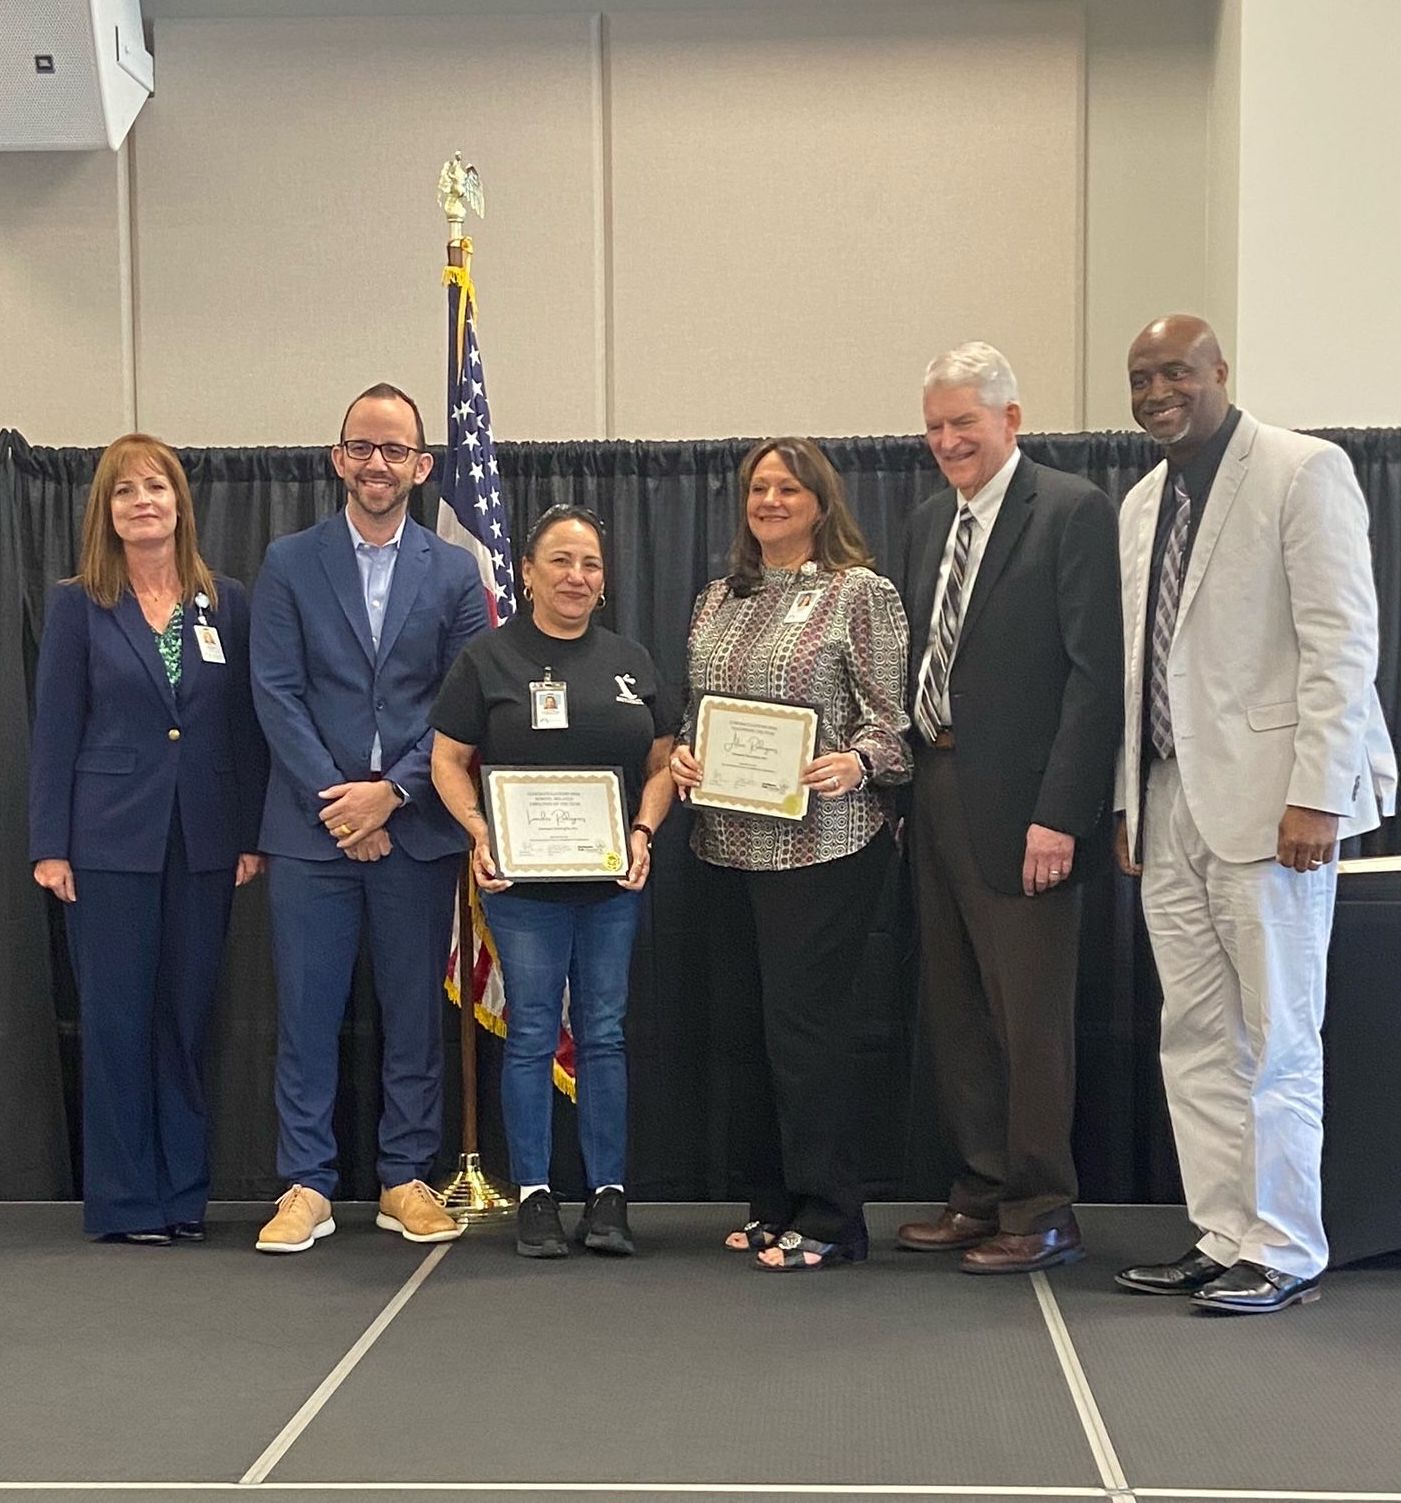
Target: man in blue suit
(355, 623)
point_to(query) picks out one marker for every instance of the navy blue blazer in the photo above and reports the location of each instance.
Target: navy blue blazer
(114, 746)
(322, 691)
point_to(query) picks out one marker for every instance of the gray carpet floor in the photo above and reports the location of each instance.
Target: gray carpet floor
(682, 1372)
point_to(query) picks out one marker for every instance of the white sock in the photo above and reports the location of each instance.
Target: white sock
(618, 1188)
(528, 1190)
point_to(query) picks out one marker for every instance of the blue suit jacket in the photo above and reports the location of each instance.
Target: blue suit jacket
(323, 692)
(114, 746)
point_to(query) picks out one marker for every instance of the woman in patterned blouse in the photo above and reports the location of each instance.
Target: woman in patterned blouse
(146, 790)
(801, 618)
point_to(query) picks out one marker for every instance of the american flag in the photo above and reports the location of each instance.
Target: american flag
(472, 515)
(471, 511)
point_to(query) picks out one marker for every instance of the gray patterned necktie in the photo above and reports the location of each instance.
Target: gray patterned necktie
(936, 674)
(1165, 621)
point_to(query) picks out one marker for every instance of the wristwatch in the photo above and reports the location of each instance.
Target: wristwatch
(400, 792)
(647, 830)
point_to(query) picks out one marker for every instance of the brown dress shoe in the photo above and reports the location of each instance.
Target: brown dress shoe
(952, 1229)
(1012, 1252)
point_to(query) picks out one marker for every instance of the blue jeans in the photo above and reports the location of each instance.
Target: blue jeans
(542, 945)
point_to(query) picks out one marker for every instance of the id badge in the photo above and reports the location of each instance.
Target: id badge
(549, 704)
(802, 607)
(210, 647)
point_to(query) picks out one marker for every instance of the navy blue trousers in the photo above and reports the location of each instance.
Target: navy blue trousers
(318, 908)
(146, 949)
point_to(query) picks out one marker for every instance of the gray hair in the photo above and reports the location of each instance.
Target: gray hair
(978, 365)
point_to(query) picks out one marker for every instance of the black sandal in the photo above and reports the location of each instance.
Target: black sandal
(794, 1246)
(757, 1236)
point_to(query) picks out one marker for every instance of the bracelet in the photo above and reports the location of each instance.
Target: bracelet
(647, 830)
(865, 762)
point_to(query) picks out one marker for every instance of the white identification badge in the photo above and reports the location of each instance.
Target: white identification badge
(210, 647)
(802, 607)
(549, 704)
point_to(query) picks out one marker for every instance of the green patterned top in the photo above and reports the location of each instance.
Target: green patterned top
(168, 644)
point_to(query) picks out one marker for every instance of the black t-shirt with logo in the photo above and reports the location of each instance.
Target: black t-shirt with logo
(616, 709)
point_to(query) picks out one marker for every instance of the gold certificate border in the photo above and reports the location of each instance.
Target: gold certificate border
(614, 862)
(793, 805)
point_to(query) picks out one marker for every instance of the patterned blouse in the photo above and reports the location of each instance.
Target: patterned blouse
(168, 644)
(848, 656)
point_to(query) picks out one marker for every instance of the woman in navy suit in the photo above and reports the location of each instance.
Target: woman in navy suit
(146, 789)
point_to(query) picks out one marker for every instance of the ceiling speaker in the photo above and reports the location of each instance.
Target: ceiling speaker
(73, 73)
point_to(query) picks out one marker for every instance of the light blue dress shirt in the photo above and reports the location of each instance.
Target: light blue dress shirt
(376, 565)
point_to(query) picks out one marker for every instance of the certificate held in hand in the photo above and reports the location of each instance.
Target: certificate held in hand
(752, 753)
(556, 824)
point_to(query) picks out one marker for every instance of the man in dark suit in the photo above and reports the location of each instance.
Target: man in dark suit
(1010, 582)
(355, 623)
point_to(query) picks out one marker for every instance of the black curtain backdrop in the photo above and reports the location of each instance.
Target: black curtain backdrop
(670, 510)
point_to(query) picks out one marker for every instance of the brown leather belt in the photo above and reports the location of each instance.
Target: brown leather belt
(943, 741)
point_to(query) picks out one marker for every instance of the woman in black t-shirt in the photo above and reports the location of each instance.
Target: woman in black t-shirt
(553, 689)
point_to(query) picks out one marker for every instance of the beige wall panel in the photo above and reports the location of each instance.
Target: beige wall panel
(1223, 180)
(809, 203)
(1319, 321)
(1149, 72)
(63, 373)
(290, 244)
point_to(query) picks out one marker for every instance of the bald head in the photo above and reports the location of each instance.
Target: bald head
(1177, 384)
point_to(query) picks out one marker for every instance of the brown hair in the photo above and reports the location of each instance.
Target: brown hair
(102, 570)
(837, 541)
(384, 391)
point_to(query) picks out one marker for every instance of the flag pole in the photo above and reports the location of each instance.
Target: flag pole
(469, 1196)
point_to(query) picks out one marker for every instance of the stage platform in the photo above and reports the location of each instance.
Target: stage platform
(368, 1367)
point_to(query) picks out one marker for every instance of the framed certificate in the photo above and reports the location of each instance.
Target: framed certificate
(566, 824)
(752, 753)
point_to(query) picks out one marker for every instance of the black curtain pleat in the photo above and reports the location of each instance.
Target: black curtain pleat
(670, 510)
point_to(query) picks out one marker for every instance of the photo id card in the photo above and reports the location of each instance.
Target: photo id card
(549, 704)
(210, 647)
(802, 607)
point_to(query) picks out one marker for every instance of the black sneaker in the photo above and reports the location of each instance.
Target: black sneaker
(603, 1227)
(539, 1233)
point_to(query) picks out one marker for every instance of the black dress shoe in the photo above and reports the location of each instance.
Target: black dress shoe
(1253, 1289)
(603, 1227)
(156, 1237)
(188, 1231)
(1188, 1274)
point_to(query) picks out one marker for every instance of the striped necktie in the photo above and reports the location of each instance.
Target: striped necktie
(1165, 621)
(936, 672)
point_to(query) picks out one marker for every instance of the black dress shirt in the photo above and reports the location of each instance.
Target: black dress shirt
(1198, 475)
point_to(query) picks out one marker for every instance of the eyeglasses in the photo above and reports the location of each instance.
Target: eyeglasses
(362, 448)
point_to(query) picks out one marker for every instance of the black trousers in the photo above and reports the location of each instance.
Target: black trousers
(997, 1016)
(786, 947)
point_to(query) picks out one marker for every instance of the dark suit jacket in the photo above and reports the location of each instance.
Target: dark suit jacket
(1036, 688)
(114, 746)
(323, 692)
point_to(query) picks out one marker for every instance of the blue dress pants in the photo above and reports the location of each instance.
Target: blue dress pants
(146, 949)
(318, 908)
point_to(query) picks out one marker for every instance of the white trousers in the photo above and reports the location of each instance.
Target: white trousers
(1242, 952)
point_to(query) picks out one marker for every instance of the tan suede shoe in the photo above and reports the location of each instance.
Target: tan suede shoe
(416, 1213)
(303, 1217)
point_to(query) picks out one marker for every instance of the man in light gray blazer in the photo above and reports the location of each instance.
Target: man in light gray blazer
(1253, 743)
